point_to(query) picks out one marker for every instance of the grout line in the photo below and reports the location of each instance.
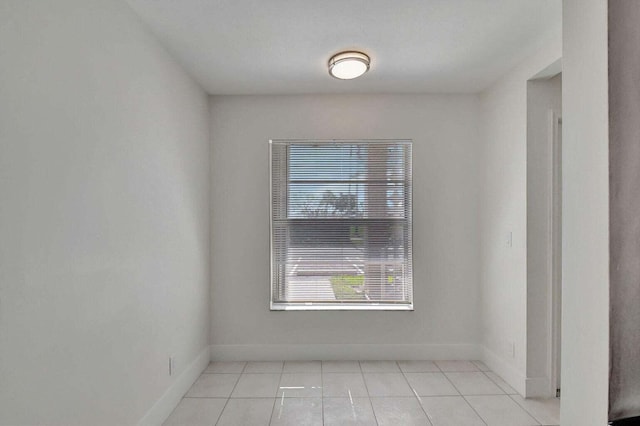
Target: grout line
(244, 370)
(473, 408)
(364, 381)
(525, 409)
(497, 384)
(373, 411)
(464, 398)
(454, 386)
(204, 397)
(275, 400)
(211, 365)
(368, 394)
(229, 398)
(221, 411)
(489, 377)
(502, 392)
(248, 397)
(481, 394)
(475, 370)
(480, 368)
(321, 393)
(286, 397)
(415, 394)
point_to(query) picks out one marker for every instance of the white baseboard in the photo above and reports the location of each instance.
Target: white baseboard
(508, 373)
(307, 352)
(528, 387)
(170, 399)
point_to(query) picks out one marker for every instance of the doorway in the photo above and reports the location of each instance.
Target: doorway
(544, 228)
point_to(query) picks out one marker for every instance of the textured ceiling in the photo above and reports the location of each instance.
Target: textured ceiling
(416, 46)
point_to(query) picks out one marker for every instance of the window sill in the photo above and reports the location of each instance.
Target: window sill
(339, 307)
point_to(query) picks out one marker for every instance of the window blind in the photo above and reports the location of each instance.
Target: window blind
(341, 225)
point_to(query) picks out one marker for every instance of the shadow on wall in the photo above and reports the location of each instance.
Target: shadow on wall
(624, 203)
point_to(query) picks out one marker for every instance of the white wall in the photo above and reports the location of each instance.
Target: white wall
(543, 95)
(503, 210)
(445, 131)
(104, 224)
(585, 299)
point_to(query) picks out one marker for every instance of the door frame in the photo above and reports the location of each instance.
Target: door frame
(554, 252)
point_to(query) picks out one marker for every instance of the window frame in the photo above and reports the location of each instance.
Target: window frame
(341, 306)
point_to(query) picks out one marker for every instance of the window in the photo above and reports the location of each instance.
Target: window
(341, 225)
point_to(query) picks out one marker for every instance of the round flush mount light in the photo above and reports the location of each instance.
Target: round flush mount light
(348, 65)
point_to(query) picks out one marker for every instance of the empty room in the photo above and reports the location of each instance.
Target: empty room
(270, 212)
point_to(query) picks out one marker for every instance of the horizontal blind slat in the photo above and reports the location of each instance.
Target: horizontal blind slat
(341, 223)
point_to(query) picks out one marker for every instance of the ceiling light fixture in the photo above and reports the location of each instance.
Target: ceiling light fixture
(348, 65)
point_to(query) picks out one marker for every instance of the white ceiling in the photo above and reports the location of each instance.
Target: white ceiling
(282, 46)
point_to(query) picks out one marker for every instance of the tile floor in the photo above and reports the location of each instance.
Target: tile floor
(436, 393)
